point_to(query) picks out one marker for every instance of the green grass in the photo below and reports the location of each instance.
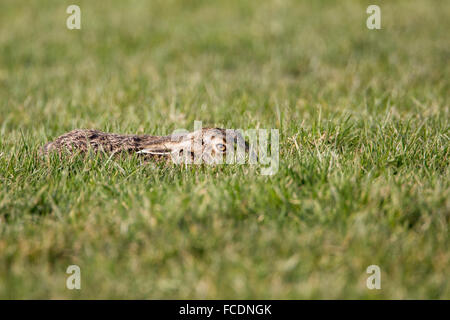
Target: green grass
(364, 149)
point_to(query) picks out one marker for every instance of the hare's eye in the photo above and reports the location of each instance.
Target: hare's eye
(221, 147)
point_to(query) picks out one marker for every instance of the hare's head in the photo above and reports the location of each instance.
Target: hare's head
(208, 145)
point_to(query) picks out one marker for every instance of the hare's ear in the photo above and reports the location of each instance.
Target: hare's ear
(155, 151)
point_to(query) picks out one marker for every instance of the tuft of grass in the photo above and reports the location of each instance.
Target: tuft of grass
(364, 156)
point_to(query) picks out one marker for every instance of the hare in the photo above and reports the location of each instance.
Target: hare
(208, 145)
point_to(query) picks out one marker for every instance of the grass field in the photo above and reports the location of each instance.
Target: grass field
(364, 149)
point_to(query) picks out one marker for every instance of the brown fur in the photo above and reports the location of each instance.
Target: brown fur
(208, 142)
(82, 140)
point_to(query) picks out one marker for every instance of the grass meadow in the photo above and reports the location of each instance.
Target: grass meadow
(363, 178)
